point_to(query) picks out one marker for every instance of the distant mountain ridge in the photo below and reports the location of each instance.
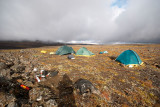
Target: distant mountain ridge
(26, 44)
(32, 44)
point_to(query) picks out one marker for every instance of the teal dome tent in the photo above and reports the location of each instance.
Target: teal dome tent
(63, 50)
(129, 57)
(84, 52)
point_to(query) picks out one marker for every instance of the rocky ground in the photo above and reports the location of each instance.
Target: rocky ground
(119, 85)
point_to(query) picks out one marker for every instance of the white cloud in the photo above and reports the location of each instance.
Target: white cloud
(116, 12)
(77, 20)
(84, 42)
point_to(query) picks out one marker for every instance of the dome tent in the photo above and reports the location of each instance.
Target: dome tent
(84, 52)
(100, 52)
(63, 50)
(129, 57)
(104, 52)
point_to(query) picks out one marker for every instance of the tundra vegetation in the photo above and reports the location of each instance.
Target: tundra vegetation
(118, 85)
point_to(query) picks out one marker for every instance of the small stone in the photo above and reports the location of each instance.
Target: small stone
(25, 105)
(19, 80)
(39, 98)
(12, 104)
(35, 69)
(51, 103)
(15, 75)
(28, 83)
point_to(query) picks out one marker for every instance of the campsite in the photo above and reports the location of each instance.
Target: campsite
(119, 85)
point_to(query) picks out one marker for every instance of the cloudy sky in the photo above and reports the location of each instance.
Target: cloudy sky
(80, 20)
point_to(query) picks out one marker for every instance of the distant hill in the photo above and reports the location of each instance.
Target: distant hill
(31, 44)
(26, 44)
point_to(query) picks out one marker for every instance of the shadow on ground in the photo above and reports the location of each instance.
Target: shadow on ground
(66, 97)
(113, 57)
(12, 87)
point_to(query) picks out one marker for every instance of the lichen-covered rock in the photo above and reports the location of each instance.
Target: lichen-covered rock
(85, 86)
(51, 103)
(40, 94)
(5, 73)
(28, 83)
(9, 63)
(6, 99)
(34, 94)
(12, 104)
(2, 65)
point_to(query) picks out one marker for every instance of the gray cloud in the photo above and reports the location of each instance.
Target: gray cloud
(140, 21)
(69, 20)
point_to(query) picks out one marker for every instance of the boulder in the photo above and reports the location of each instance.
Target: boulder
(85, 86)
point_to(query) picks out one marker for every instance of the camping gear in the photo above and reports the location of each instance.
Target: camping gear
(24, 87)
(38, 79)
(44, 73)
(100, 52)
(63, 50)
(103, 52)
(129, 57)
(43, 51)
(84, 52)
(51, 53)
(71, 57)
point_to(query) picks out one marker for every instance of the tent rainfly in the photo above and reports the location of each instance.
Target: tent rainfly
(63, 50)
(130, 58)
(84, 52)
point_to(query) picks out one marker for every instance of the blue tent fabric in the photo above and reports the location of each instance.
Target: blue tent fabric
(129, 57)
(104, 52)
(100, 52)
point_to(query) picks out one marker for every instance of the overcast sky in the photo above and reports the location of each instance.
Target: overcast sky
(80, 20)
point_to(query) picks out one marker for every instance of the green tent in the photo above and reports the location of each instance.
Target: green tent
(129, 57)
(84, 52)
(63, 50)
